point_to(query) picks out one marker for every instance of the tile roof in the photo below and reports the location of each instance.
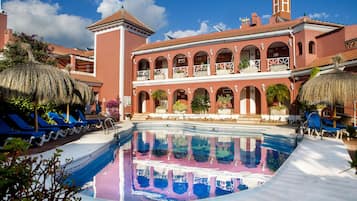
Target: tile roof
(327, 60)
(60, 50)
(86, 78)
(235, 32)
(121, 16)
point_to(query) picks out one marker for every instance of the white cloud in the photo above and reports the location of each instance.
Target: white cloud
(322, 15)
(145, 10)
(43, 19)
(266, 16)
(204, 28)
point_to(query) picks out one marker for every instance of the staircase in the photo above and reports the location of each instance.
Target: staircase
(249, 119)
(140, 117)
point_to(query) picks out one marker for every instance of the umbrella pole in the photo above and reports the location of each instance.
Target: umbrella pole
(334, 115)
(67, 113)
(36, 118)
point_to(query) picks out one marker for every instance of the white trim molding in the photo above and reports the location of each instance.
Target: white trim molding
(121, 69)
(217, 78)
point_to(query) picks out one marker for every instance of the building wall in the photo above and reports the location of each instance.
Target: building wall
(3, 29)
(132, 41)
(305, 37)
(331, 44)
(107, 64)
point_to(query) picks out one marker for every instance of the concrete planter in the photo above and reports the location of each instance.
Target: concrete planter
(179, 112)
(225, 111)
(274, 111)
(160, 111)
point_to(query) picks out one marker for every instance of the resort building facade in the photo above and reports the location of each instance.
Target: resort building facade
(238, 64)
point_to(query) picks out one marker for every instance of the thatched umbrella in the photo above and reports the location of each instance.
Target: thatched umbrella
(38, 82)
(82, 95)
(334, 87)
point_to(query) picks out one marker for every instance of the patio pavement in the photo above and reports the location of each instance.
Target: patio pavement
(314, 171)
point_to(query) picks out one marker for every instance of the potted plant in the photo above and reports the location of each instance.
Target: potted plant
(200, 104)
(179, 107)
(224, 104)
(277, 96)
(244, 63)
(159, 96)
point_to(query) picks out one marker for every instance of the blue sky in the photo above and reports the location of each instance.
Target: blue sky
(64, 22)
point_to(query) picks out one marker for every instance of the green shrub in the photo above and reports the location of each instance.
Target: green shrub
(178, 106)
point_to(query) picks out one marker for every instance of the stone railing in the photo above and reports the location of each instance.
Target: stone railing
(180, 72)
(278, 64)
(160, 74)
(201, 70)
(143, 75)
(224, 68)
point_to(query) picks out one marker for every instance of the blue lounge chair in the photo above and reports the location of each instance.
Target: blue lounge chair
(30, 136)
(314, 123)
(61, 122)
(23, 125)
(329, 122)
(61, 131)
(74, 121)
(93, 122)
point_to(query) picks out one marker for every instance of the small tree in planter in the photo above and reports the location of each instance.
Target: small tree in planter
(278, 96)
(200, 104)
(179, 107)
(224, 104)
(159, 95)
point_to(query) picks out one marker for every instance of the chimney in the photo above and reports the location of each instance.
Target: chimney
(256, 21)
(245, 23)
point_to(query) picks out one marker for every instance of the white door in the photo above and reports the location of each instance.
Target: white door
(252, 108)
(243, 101)
(143, 103)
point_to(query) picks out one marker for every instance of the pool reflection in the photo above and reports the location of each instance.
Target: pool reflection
(185, 166)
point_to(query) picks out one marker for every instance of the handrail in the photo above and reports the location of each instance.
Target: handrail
(108, 124)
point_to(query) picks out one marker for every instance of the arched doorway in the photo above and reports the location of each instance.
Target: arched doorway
(143, 105)
(224, 62)
(278, 57)
(143, 70)
(250, 101)
(225, 100)
(201, 64)
(180, 66)
(249, 59)
(201, 101)
(180, 103)
(161, 72)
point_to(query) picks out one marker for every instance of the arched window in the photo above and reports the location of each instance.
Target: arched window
(311, 47)
(300, 48)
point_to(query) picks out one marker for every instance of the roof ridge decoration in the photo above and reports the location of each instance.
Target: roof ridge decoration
(121, 17)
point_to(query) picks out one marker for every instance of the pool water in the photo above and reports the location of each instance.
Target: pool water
(176, 164)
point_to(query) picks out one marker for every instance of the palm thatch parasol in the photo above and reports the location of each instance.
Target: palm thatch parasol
(38, 82)
(82, 95)
(334, 87)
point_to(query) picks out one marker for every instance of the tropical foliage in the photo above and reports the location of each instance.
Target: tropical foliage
(278, 93)
(179, 106)
(244, 63)
(314, 72)
(224, 101)
(159, 95)
(200, 103)
(24, 178)
(15, 54)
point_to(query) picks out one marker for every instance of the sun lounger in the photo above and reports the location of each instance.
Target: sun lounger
(30, 136)
(61, 131)
(314, 123)
(94, 122)
(23, 125)
(61, 122)
(74, 121)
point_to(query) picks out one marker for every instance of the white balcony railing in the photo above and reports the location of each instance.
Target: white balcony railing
(180, 72)
(201, 70)
(160, 74)
(143, 75)
(278, 64)
(224, 68)
(253, 66)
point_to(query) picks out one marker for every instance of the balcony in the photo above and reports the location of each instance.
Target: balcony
(143, 75)
(201, 70)
(180, 72)
(160, 74)
(224, 68)
(253, 66)
(278, 64)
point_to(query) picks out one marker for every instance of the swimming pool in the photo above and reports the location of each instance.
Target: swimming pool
(183, 162)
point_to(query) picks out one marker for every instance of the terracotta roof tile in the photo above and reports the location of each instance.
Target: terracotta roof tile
(86, 78)
(60, 50)
(121, 15)
(324, 61)
(233, 33)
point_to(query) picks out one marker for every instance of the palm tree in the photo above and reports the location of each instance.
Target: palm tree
(159, 95)
(277, 93)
